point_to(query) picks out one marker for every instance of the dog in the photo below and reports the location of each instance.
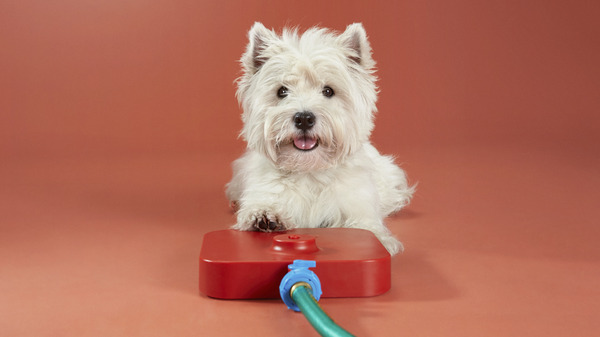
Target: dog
(308, 105)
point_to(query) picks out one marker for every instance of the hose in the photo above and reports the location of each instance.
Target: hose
(300, 289)
(325, 326)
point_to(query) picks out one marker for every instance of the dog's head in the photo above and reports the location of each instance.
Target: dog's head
(308, 100)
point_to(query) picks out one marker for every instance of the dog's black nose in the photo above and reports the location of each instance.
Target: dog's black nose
(304, 120)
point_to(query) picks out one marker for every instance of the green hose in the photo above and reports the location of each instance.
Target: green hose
(325, 326)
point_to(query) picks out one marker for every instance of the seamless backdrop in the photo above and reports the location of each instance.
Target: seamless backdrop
(118, 124)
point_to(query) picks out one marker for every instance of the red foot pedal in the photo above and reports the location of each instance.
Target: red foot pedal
(242, 265)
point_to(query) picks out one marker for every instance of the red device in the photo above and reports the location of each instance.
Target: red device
(244, 265)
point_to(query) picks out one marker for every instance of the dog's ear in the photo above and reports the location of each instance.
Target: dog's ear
(259, 38)
(354, 39)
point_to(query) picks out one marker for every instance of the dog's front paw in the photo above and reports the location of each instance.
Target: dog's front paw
(265, 223)
(261, 221)
(392, 244)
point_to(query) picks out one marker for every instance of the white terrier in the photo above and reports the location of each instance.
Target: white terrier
(308, 103)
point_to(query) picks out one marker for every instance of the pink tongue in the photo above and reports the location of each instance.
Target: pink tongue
(305, 143)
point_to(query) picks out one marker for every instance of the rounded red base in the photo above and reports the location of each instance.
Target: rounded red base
(244, 265)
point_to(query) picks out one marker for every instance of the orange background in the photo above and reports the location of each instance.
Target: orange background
(118, 123)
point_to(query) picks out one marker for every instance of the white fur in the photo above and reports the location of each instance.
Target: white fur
(344, 181)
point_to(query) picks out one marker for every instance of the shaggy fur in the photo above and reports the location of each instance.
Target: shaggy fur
(308, 103)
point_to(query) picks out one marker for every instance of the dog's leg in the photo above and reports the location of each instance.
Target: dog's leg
(258, 216)
(361, 210)
(377, 227)
(254, 194)
(388, 240)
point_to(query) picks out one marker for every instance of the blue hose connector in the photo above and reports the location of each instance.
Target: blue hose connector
(299, 272)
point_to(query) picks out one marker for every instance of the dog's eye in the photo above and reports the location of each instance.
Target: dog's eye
(282, 92)
(328, 92)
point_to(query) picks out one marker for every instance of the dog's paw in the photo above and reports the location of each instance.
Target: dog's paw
(261, 221)
(265, 223)
(392, 244)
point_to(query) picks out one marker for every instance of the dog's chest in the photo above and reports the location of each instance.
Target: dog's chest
(319, 201)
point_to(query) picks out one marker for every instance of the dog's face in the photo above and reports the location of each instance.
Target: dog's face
(308, 100)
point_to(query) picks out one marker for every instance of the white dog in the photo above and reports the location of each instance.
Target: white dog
(308, 103)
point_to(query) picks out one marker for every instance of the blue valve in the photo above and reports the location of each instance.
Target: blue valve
(299, 272)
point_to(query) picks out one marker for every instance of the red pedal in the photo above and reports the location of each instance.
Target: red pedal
(243, 265)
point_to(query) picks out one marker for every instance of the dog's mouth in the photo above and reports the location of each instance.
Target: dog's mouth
(305, 143)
